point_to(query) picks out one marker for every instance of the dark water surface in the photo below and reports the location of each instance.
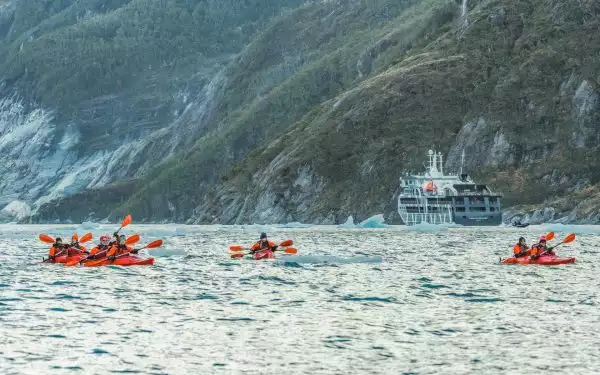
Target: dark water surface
(355, 301)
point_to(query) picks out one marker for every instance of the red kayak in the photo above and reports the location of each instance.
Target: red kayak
(546, 260)
(127, 260)
(72, 254)
(264, 254)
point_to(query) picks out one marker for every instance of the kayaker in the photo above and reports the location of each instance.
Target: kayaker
(57, 249)
(100, 250)
(541, 248)
(116, 239)
(263, 244)
(75, 248)
(521, 249)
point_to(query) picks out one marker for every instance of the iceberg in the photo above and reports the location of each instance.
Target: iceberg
(376, 221)
(349, 223)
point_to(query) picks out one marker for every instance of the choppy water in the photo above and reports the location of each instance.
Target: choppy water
(381, 301)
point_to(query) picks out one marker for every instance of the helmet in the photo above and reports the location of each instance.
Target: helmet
(75, 238)
(263, 235)
(104, 239)
(122, 237)
(543, 239)
(58, 239)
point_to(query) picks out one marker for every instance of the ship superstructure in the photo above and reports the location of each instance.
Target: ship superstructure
(436, 198)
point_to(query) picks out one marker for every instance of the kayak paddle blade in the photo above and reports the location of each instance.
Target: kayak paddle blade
(126, 221)
(153, 244)
(237, 255)
(236, 248)
(549, 236)
(132, 239)
(46, 238)
(86, 237)
(287, 243)
(569, 238)
(290, 250)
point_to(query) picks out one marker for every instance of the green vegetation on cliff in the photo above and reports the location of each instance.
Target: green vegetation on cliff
(333, 99)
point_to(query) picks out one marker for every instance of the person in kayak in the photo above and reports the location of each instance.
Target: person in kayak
(521, 249)
(120, 247)
(58, 248)
(541, 248)
(75, 247)
(100, 250)
(263, 244)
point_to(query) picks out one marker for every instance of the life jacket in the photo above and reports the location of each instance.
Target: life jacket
(119, 250)
(259, 245)
(520, 250)
(537, 249)
(98, 249)
(56, 249)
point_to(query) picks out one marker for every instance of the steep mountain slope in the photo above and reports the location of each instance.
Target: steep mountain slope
(92, 91)
(324, 108)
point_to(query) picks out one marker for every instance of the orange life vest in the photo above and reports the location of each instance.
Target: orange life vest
(520, 250)
(260, 246)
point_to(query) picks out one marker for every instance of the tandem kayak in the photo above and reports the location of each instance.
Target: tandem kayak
(128, 260)
(264, 254)
(546, 260)
(72, 254)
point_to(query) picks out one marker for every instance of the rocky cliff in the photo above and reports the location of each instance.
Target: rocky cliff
(318, 110)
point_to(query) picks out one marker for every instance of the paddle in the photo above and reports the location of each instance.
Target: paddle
(289, 250)
(241, 248)
(570, 238)
(125, 222)
(46, 238)
(129, 241)
(151, 245)
(549, 236)
(86, 238)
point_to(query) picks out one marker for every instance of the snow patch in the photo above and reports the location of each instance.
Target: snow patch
(17, 209)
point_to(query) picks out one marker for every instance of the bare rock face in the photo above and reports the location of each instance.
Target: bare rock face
(484, 145)
(586, 108)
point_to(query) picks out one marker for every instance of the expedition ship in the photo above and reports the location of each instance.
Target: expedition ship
(436, 198)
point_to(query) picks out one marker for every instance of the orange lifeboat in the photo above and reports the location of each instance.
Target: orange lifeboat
(429, 187)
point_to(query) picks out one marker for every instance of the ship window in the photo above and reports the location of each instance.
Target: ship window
(480, 209)
(460, 209)
(492, 209)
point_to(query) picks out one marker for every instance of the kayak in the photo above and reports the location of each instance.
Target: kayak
(128, 260)
(72, 254)
(520, 225)
(546, 260)
(58, 259)
(264, 254)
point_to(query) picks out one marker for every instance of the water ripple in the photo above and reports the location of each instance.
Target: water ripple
(385, 301)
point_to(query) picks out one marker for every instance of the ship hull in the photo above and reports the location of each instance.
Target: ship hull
(479, 221)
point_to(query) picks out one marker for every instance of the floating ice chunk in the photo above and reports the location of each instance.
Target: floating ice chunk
(349, 223)
(578, 229)
(324, 259)
(376, 221)
(296, 224)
